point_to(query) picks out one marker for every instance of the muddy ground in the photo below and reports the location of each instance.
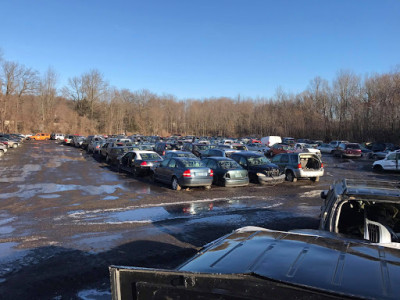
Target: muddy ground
(65, 216)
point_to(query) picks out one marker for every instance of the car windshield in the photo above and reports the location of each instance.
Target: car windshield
(287, 147)
(228, 165)
(149, 156)
(258, 160)
(193, 163)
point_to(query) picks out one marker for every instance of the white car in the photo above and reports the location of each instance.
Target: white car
(390, 163)
(257, 147)
(303, 147)
(326, 148)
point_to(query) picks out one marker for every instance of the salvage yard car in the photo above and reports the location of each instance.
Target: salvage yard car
(259, 168)
(183, 172)
(352, 150)
(299, 165)
(227, 172)
(390, 163)
(365, 210)
(139, 162)
(40, 137)
(258, 263)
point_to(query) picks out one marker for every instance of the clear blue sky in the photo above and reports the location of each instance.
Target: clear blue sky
(203, 48)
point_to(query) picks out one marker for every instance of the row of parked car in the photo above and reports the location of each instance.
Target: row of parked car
(10, 141)
(193, 164)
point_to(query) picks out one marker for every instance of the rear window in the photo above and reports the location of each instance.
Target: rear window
(239, 147)
(353, 146)
(228, 165)
(258, 160)
(193, 163)
(149, 156)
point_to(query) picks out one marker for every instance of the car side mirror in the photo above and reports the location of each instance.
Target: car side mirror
(324, 194)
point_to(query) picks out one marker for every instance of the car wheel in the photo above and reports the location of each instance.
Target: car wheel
(15, 146)
(315, 179)
(378, 168)
(290, 176)
(175, 184)
(107, 159)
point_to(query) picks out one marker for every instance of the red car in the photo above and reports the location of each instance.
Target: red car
(280, 148)
(348, 150)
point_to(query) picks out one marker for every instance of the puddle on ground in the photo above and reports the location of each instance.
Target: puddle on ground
(168, 211)
(96, 242)
(26, 171)
(31, 190)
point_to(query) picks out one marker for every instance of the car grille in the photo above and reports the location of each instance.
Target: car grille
(273, 173)
(373, 232)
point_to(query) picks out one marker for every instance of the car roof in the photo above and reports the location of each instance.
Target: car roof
(247, 154)
(368, 189)
(351, 269)
(219, 158)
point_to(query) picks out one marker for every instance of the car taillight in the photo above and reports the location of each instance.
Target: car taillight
(211, 173)
(143, 163)
(163, 153)
(187, 173)
(299, 166)
(322, 165)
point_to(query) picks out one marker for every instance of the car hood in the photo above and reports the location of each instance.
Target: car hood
(332, 264)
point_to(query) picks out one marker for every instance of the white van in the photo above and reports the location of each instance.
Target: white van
(271, 140)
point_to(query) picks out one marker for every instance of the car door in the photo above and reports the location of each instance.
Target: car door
(277, 159)
(162, 170)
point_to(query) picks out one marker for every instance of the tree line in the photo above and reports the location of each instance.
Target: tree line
(349, 107)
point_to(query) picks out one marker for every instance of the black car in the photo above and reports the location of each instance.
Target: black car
(227, 172)
(196, 148)
(260, 168)
(218, 152)
(161, 147)
(139, 162)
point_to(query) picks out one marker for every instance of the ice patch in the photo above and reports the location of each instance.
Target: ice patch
(311, 194)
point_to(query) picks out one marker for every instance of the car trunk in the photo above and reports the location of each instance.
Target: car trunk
(310, 162)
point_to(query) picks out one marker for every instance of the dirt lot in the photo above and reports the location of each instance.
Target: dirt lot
(65, 217)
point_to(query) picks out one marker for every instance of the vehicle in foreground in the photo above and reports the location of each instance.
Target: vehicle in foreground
(258, 263)
(299, 166)
(183, 172)
(390, 163)
(365, 210)
(227, 172)
(259, 168)
(139, 162)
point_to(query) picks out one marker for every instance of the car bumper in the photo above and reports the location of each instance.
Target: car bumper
(300, 173)
(236, 182)
(270, 179)
(193, 182)
(351, 155)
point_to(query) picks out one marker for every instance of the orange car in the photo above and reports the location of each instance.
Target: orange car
(40, 136)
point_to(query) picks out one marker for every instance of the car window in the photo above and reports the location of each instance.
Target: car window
(228, 165)
(243, 161)
(277, 158)
(285, 158)
(149, 156)
(193, 163)
(165, 163)
(258, 160)
(239, 147)
(172, 163)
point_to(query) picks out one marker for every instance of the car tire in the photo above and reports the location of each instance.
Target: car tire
(315, 179)
(15, 146)
(135, 171)
(107, 159)
(378, 168)
(175, 184)
(290, 176)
